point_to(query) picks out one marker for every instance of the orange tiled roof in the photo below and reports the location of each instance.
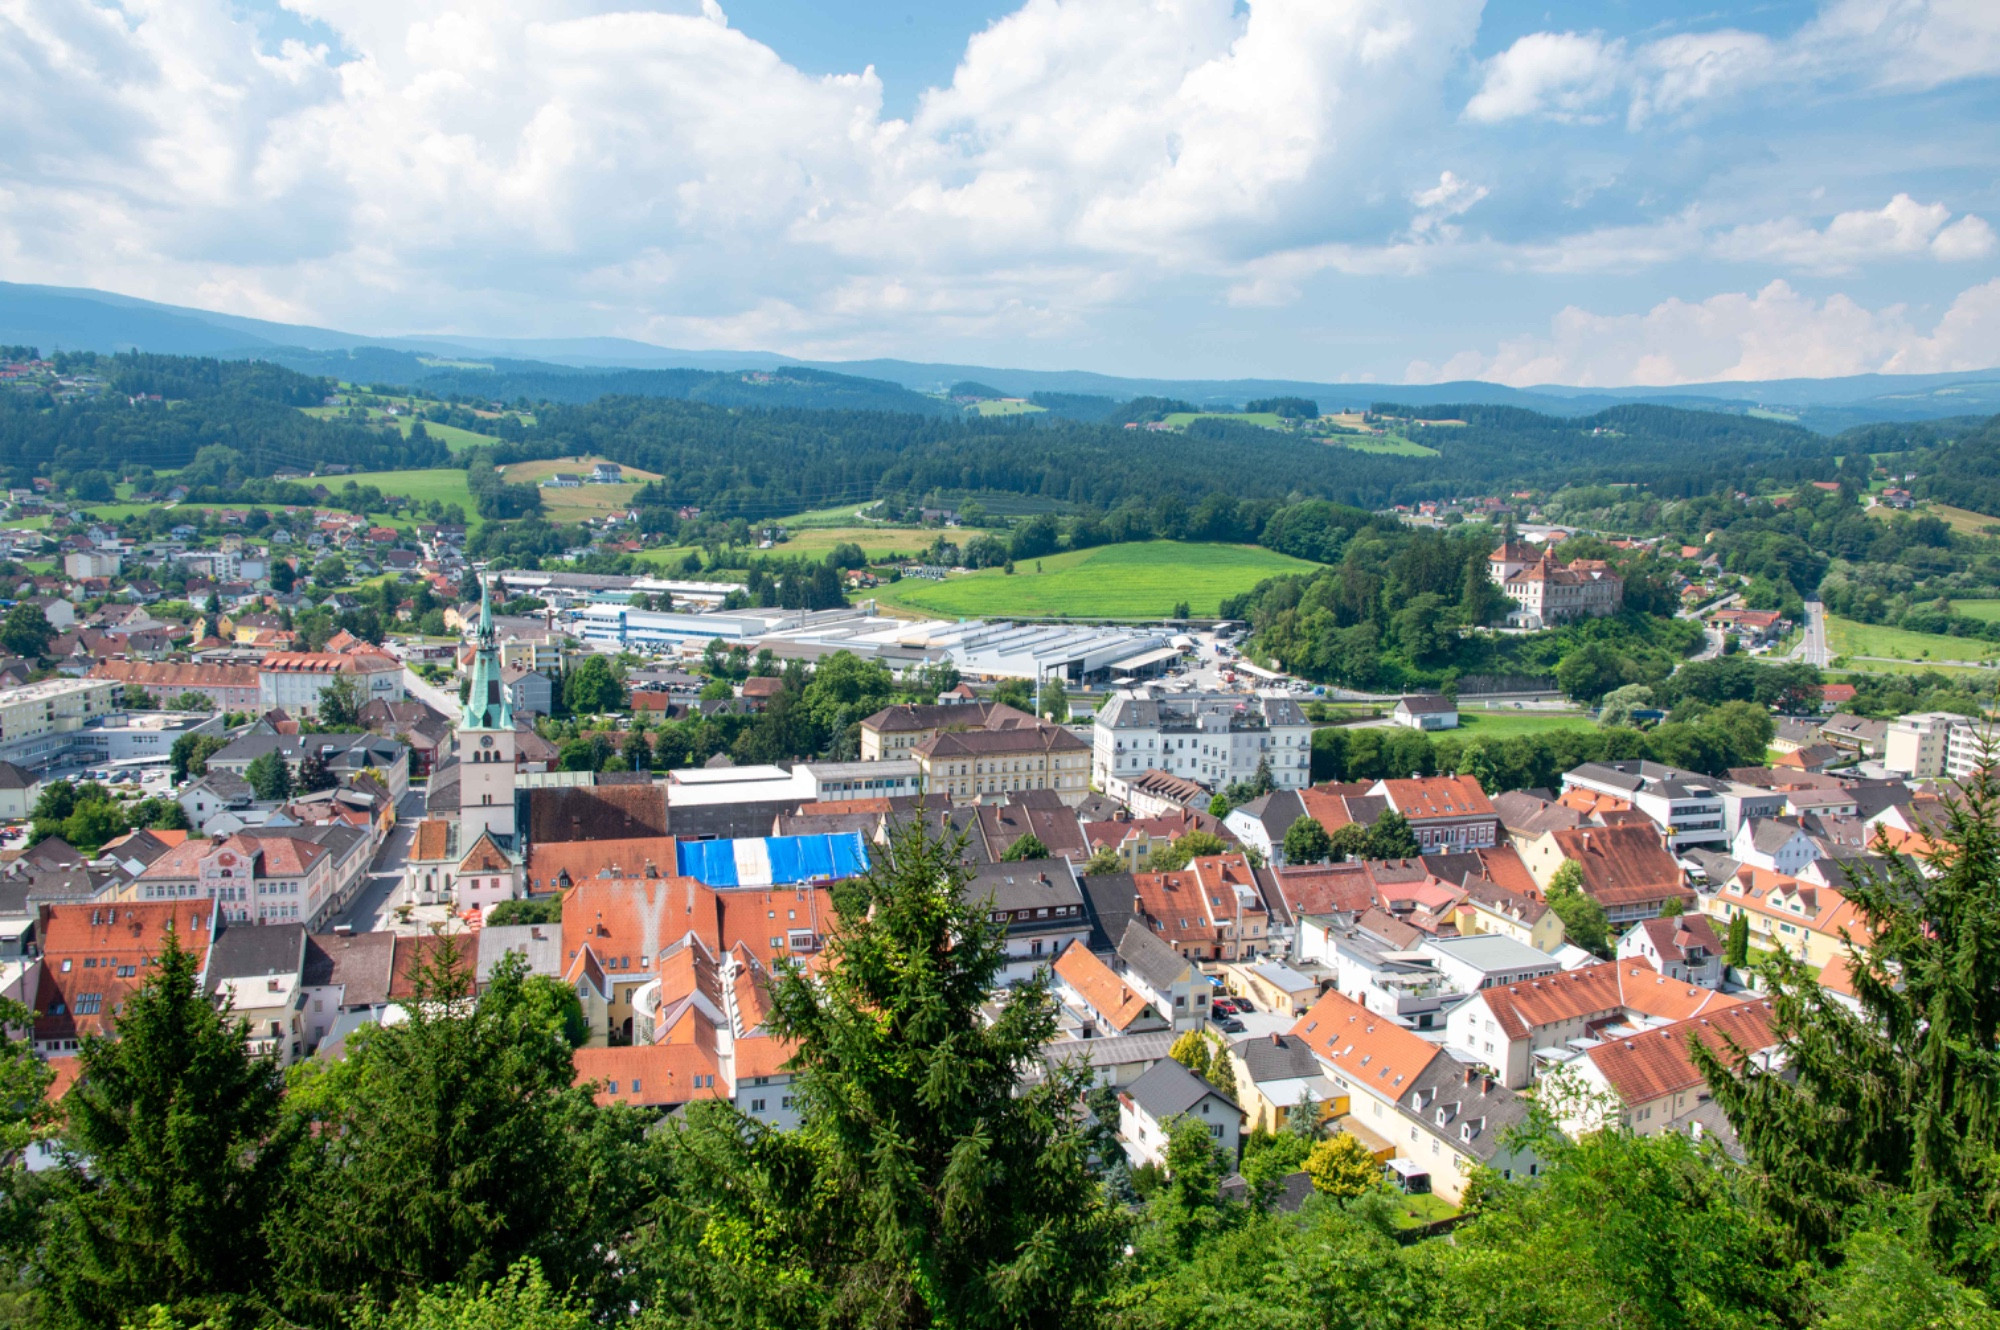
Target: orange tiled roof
(652, 1075)
(433, 839)
(1108, 995)
(1369, 1050)
(586, 859)
(1438, 796)
(1656, 1063)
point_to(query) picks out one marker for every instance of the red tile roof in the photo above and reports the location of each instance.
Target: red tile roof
(1437, 797)
(1108, 995)
(651, 1075)
(1369, 1050)
(1623, 865)
(1656, 1063)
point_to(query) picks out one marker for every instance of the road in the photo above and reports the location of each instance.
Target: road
(432, 696)
(1812, 647)
(374, 906)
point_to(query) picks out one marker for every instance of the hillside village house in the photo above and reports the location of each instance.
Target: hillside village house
(1683, 947)
(1647, 1080)
(1786, 914)
(1426, 711)
(1113, 1006)
(895, 731)
(1036, 756)
(1625, 869)
(1444, 1118)
(1149, 1107)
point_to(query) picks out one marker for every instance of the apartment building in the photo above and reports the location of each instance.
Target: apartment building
(1686, 806)
(968, 763)
(38, 720)
(1216, 739)
(295, 680)
(896, 732)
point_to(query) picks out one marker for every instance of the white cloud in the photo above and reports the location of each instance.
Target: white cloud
(1774, 333)
(1906, 43)
(1902, 228)
(1557, 75)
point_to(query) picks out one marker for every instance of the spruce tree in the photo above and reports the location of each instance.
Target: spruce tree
(1905, 1096)
(952, 1196)
(174, 1157)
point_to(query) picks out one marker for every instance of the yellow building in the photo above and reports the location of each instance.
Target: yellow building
(968, 763)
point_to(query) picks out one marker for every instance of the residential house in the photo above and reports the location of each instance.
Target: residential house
(1035, 756)
(1150, 1106)
(1648, 1082)
(259, 973)
(1113, 1005)
(1041, 906)
(1682, 947)
(93, 956)
(20, 790)
(1626, 869)
(528, 690)
(1444, 812)
(1810, 921)
(1505, 1028)
(1213, 739)
(1168, 979)
(1444, 1119)
(1779, 845)
(1426, 711)
(1489, 907)
(1213, 909)
(1686, 806)
(1488, 960)
(1270, 986)
(897, 731)
(1274, 1074)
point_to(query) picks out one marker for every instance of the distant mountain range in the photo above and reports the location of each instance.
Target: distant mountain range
(79, 319)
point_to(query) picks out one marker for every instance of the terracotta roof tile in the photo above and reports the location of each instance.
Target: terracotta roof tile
(663, 1074)
(1367, 1049)
(1108, 995)
(1655, 1063)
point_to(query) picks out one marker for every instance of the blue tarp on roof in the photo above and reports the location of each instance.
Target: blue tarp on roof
(774, 861)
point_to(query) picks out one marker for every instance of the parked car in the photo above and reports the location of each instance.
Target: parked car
(1231, 1025)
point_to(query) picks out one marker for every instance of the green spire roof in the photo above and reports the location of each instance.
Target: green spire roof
(486, 703)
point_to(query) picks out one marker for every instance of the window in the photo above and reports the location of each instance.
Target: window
(635, 1085)
(611, 1087)
(756, 1106)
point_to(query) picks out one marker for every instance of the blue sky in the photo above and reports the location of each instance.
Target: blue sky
(1604, 193)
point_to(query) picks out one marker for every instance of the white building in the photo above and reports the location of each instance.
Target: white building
(1686, 806)
(486, 744)
(1149, 1107)
(1215, 739)
(39, 721)
(93, 563)
(1916, 744)
(295, 680)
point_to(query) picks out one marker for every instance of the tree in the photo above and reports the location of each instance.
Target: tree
(1306, 842)
(1349, 841)
(1736, 949)
(1391, 838)
(638, 751)
(191, 701)
(1189, 847)
(1189, 1209)
(268, 776)
(339, 707)
(26, 631)
(190, 753)
(446, 1149)
(314, 775)
(1268, 1159)
(1219, 807)
(1015, 693)
(1103, 861)
(1591, 671)
(134, 697)
(1904, 1095)
(1305, 1117)
(283, 576)
(1055, 700)
(943, 1191)
(1194, 1051)
(1342, 1166)
(1620, 703)
(1028, 846)
(176, 1153)
(594, 687)
(1584, 922)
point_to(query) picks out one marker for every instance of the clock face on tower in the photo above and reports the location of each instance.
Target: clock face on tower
(486, 741)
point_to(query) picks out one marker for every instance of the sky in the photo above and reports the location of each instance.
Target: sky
(1608, 193)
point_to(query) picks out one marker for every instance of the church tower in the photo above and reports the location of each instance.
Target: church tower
(486, 742)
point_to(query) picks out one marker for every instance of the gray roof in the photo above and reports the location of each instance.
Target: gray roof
(1653, 777)
(248, 950)
(295, 747)
(1427, 704)
(1146, 712)
(1027, 885)
(360, 962)
(1108, 900)
(224, 785)
(1769, 834)
(1276, 811)
(1149, 958)
(1277, 1057)
(1167, 1089)
(1116, 1050)
(1464, 1099)
(1492, 951)
(540, 943)
(1714, 866)
(15, 778)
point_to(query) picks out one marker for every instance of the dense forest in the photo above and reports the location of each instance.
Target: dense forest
(249, 407)
(446, 1174)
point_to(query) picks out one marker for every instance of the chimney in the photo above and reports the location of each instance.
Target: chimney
(1486, 1085)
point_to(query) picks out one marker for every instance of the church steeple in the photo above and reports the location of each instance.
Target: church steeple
(486, 703)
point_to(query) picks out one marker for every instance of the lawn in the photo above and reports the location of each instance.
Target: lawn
(1962, 520)
(587, 501)
(1267, 419)
(451, 436)
(1006, 408)
(878, 543)
(1849, 638)
(841, 514)
(1136, 581)
(1508, 724)
(1987, 610)
(1419, 1210)
(1394, 445)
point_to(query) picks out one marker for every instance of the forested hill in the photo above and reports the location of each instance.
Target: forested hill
(1965, 472)
(781, 461)
(159, 411)
(523, 381)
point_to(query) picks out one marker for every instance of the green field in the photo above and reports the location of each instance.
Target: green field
(1136, 581)
(1000, 408)
(841, 514)
(1393, 445)
(1267, 419)
(1849, 638)
(1962, 520)
(1987, 610)
(451, 436)
(1508, 724)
